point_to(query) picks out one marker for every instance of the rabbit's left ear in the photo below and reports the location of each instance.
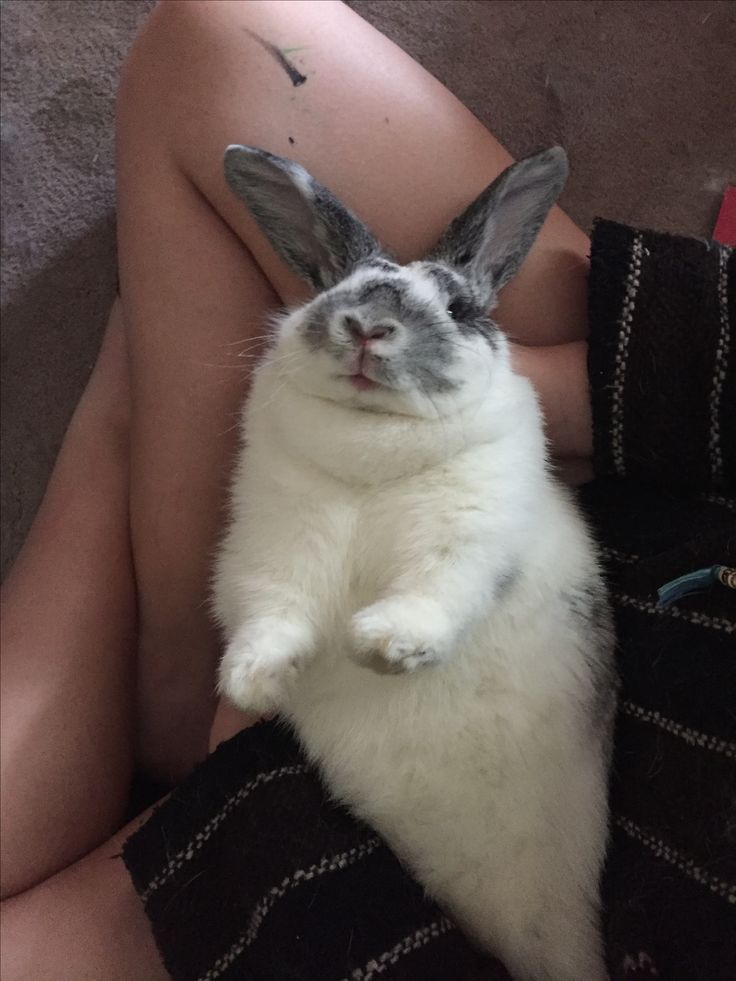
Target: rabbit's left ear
(308, 227)
(491, 238)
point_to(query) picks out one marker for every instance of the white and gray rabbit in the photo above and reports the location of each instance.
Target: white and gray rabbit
(404, 581)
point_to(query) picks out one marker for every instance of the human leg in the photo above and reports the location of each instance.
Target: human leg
(68, 654)
(87, 921)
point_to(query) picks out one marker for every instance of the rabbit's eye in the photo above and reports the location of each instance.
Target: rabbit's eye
(458, 308)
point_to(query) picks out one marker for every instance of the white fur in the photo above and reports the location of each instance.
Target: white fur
(377, 530)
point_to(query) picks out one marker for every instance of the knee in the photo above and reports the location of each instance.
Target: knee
(184, 40)
(167, 76)
(160, 63)
(183, 37)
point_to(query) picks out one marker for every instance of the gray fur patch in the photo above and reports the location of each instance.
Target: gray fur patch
(588, 605)
(506, 583)
(446, 279)
(383, 293)
(467, 310)
(381, 265)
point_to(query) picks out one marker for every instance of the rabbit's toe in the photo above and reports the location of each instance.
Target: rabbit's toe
(256, 681)
(390, 638)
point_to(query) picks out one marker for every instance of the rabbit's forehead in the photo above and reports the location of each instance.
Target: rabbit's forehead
(390, 289)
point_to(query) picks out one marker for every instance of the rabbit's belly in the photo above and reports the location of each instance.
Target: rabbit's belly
(491, 796)
(447, 753)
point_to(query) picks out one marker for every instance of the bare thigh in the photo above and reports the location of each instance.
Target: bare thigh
(68, 645)
(198, 277)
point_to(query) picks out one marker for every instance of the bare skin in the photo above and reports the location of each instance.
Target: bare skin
(133, 509)
(68, 644)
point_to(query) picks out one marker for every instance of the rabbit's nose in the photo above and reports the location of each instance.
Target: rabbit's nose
(363, 334)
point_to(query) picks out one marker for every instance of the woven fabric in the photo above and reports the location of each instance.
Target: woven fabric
(661, 362)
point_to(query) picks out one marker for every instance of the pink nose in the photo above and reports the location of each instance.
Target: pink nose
(363, 334)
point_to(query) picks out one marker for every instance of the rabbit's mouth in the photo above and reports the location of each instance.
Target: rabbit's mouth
(362, 382)
(360, 369)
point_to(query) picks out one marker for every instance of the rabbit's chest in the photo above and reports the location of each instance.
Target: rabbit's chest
(354, 553)
(357, 546)
(390, 530)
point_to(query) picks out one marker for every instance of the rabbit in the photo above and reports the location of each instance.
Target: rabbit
(404, 582)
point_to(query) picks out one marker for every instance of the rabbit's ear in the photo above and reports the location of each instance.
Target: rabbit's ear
(491, 238)
(308, 227)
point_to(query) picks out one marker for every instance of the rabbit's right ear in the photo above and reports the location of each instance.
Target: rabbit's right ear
(491, 238)
(308, 227)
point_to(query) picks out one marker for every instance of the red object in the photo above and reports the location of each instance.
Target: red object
(725, 230)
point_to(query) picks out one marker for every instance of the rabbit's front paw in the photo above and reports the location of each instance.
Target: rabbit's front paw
(257, 675)
(398, 635)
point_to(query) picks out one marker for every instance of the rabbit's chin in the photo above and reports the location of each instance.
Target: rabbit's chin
(358, 392)
(342, 390)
